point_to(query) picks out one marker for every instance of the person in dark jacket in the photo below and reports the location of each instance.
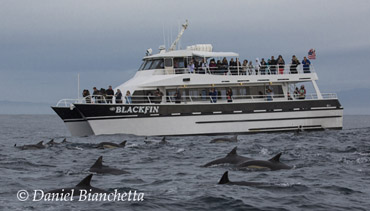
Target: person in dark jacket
(118, 96)
(110, 94)
(293, 66)
(96, 95)
(213, 93)
(229, 95)
(281, 63)
(177, 96)
(272, 65)
(86, 95)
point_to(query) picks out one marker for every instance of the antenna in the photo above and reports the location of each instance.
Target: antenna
(78, 85)
(164, 37)
(184, 26)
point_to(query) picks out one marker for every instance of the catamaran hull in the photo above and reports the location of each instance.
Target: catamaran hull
(220, 124)
(202, 119)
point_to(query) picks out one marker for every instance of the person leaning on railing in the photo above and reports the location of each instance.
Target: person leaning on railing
(86, 95)
(128, 97)
(272, 65)
(110, 94)
(306, 65)
(96, 95)
(263, 67)
(294, 65)
(118, 96)
(281, 64)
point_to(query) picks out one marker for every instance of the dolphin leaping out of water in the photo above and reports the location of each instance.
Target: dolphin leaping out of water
(98, 167)
(110, 145)
(83, 185)
(272, 164)
(231, 158)
(39, 145)
(225, 181)
(223, 140)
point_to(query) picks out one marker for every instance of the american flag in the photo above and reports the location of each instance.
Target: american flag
(312, 54)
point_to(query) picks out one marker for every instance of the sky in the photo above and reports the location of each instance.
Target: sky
(45, 44)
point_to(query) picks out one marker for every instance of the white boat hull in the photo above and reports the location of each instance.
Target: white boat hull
(220, 124)
(80, 128)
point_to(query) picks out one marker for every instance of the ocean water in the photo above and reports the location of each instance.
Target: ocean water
(331, 169)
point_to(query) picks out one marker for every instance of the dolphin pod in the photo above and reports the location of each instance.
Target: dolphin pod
(223, 140)
(83, 185)
(231, 158)
(225, 180)
(272, 164)
(98, 167)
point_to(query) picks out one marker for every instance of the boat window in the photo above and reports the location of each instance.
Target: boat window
(157, 64)
(147, 65)
(179, 63)
(142, 65)
(168, 62)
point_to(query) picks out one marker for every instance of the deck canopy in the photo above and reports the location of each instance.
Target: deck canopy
(191, 53)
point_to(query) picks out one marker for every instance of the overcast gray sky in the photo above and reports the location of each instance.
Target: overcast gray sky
(44, 44)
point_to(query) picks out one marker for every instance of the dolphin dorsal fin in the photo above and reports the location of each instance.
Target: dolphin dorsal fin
(98, 163)
(51, 141)
(123, 143)
(85, 182)
(225, 178)
(64, 140)
(276, 158)
(163, 139)
(40, 143)
(233, 152)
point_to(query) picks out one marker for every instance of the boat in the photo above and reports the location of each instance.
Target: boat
(181, 92)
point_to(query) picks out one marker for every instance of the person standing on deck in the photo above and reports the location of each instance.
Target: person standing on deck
(306, 65)
(110, 94)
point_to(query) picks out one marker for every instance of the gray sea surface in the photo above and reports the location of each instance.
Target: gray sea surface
(331, 169)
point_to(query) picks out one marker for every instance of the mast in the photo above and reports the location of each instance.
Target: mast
(173, 45)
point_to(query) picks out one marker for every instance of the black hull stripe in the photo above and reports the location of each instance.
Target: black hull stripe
(261, 120)
(262, 130)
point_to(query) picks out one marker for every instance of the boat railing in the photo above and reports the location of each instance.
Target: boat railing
(87, 99)
(145, 99)
(288, 69)
(151, 99)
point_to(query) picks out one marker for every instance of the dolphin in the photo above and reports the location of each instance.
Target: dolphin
(223, 140)
(231, 158)
(225, 181)
(162, 142)
(64, 141)
(32, 146)
(83, 185)
(110, 145)
(52, 142)
(98, 167)
(272, 164)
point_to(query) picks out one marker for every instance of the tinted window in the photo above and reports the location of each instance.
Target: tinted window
(168, 62)
(157, 64)
(142, 65)
(147, 65)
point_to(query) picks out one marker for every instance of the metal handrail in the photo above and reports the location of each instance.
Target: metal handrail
(288, 69)
(149, 99)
